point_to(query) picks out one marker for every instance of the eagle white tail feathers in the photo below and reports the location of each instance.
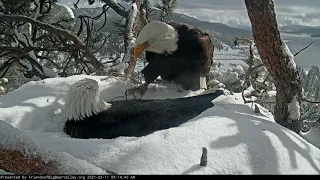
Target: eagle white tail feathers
(83, 100)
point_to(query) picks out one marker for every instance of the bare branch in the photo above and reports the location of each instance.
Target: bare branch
(303, 48)
(117, 8)
(31, 48)
(102, 45)
(309, 101)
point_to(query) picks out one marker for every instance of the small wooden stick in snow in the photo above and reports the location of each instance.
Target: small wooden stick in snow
(204, 158)
(256, 109)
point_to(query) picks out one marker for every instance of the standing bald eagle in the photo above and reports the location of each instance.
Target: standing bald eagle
(176, 52)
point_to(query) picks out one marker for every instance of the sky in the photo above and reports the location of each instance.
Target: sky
(233, 12)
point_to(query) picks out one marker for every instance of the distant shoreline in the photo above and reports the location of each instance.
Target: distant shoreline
(315, 35)
(296, 34)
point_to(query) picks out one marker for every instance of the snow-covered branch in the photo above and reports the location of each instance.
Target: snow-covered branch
(166, 7)
(117, 7)
(77, 43)
(130, 25)
(287, 52)
(129, 41)
(25, 36)
(252, 77)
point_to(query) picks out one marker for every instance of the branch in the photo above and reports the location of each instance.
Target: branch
(130, 38)
(117, 8)
(249, 79)
(303, 48)
(309, 101)
(31, 48)
(59, 32)
(256, 101)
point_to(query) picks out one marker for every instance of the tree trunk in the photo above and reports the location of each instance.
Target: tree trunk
(278, 62)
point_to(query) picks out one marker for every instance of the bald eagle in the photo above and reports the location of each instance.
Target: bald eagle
(176, 52)
(89, 116)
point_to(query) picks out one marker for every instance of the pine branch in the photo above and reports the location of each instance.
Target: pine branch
(166, 7)
(58, 32)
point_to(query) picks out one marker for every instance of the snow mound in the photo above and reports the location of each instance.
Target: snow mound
(238, 140)
(14, 139)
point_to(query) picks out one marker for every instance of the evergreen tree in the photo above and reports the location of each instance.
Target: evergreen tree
(166, 7)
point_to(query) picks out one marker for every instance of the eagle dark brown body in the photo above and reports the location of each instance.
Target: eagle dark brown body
(191, 60)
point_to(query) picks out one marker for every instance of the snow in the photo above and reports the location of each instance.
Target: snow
(213, 83)
(49, 72)
(248, 92)
(294, 109)
(132, 16)
(37, 3)
(272, 93)
(123, 4)
(226, 77)
(60, 12)
(57, 13)
(239, 69)
(238, 140)
(286, 50)
(4, 80)
(3, 172)
(2, 89)
(26, 64)
(113, 1)
(313, 135)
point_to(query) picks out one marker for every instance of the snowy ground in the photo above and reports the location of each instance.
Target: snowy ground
(238, 140)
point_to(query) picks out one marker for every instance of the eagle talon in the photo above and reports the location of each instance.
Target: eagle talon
(141, 90)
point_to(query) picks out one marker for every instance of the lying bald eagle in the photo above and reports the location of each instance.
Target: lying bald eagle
(176, 52)
(89, 116)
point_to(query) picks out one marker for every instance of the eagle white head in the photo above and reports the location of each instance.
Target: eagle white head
(157, 37)
(83, 100)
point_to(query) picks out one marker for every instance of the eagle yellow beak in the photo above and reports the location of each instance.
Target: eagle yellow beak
(138, 50)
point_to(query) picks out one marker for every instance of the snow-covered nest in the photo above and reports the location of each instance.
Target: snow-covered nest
(238, 140)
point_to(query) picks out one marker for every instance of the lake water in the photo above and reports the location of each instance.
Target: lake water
(308, 57)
